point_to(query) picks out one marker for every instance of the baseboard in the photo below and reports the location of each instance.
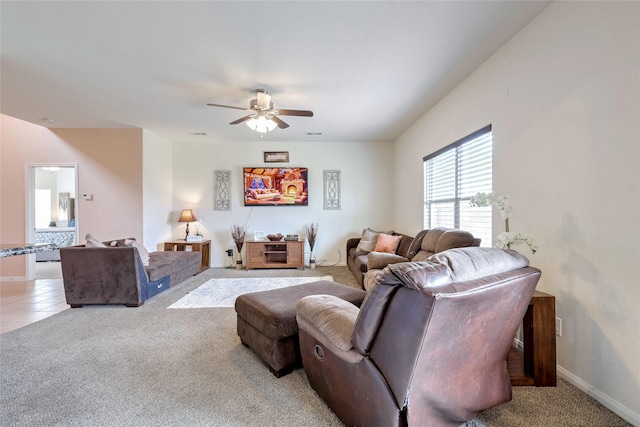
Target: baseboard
(13, 279)
(611, 404)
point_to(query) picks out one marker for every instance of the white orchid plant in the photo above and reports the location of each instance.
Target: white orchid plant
(507, 238)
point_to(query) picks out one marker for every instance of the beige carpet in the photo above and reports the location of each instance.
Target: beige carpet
(149, 366)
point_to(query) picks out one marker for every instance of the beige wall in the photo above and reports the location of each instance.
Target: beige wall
(157, 190)
(563, 99)
(140, 183)
(367, 186)
(109, 167)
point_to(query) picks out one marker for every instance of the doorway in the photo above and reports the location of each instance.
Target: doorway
(52, 215)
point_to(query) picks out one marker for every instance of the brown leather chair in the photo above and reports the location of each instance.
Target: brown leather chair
(428, 346)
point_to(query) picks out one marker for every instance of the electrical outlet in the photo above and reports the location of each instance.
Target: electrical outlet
(558, 326)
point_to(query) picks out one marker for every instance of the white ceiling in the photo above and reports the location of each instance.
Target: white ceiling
(368, 70)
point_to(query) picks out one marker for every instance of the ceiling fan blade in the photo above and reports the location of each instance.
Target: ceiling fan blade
(227, 106)
(280, 123)
(304, 113)
(242, 119)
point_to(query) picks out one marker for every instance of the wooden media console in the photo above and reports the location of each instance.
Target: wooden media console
(282, 254)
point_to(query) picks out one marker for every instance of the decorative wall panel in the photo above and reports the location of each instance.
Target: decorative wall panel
(222, 191)
(331, 189)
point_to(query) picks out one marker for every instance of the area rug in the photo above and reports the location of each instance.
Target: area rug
(223, 292)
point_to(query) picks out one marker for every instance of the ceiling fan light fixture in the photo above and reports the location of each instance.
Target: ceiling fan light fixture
(262, 117)
(261, 124)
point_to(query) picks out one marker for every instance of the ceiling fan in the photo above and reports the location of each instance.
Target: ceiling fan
(264, 118)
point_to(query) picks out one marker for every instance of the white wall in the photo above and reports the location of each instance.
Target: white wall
(46, 209)
(157, 173)
(563, 97)
(367, 178)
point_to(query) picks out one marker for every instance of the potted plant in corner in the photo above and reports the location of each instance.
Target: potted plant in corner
(312, 233)
(237, 234)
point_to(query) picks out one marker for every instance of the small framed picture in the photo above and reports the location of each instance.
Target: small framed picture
(276, 157)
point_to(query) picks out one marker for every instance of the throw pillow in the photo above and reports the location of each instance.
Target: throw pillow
(387, 243)
(92, 242)
(142, 251)
(368, 240)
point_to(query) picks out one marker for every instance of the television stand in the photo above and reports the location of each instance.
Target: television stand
(282, 254)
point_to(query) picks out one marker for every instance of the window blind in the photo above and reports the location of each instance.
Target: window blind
(452, 176)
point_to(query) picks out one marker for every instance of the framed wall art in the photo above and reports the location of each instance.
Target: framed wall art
(276, 157)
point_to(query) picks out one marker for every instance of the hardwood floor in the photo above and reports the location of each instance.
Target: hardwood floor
(26, 302)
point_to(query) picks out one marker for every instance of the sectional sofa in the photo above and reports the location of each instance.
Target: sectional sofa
(115, 273)
(361, 259)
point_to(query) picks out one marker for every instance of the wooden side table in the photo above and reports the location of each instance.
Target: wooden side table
(536, 365)
(204, 247)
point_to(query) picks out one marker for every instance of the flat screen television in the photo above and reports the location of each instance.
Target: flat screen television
(275, 186)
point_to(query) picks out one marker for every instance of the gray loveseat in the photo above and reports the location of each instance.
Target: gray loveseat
(116, 275)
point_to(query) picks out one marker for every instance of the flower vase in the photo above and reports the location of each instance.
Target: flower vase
(239, 261)
(312, 261)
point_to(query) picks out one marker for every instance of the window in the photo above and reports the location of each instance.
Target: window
(452, 176)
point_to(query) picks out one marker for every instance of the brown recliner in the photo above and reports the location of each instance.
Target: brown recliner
(428, 346)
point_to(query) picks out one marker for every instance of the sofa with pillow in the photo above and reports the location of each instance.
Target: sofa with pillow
(121, 272)
(425, 244)
(388, 242)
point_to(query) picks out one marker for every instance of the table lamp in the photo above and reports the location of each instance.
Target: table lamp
(187, 216)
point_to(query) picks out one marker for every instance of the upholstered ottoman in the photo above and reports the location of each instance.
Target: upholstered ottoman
(267, 321)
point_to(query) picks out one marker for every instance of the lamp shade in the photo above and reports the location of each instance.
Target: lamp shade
(187, 215)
